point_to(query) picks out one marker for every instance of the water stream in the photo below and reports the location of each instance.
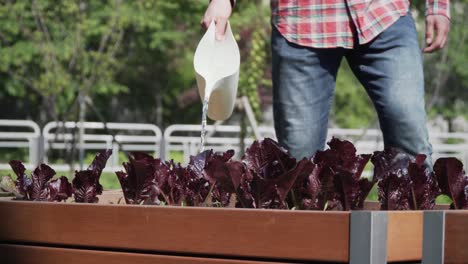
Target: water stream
(203, 130)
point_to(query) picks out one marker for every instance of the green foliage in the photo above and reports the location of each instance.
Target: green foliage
(53, 50)
(251, 21)
(352, 107)
(253, 71)
(446, 74)
(134, 58)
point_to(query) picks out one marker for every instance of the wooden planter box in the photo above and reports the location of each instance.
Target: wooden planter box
(85, 233)
(446, 237)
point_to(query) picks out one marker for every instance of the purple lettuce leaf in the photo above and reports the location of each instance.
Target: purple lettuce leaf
(86, 187)
(59, 189)
(268, 159)
(139, 181)
(245, 194)
(225, 175)
(86, 184)
(273, 171)
(99, 162)
(39, 190)
(23, 183)
(175, 186)
(390, 161)
(394, 187)
(395, 192)
(198, 187)
(353, 192)
(452, 181)
(424, 185)
(404, 182)
(342, 185)
(40, 187)
(307, 187)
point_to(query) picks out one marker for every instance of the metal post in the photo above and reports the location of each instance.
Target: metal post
(433, 237)
(368, 238)
(251, 117)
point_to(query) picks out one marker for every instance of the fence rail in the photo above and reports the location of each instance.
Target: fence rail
(124, 137)
(183, 139)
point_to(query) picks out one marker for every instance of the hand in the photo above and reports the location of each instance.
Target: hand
(440, 24)
(219, 11)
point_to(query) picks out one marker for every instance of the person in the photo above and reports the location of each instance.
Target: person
(378, 38)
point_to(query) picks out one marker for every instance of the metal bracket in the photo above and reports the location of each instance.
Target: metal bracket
(368, 238)
(433, 237)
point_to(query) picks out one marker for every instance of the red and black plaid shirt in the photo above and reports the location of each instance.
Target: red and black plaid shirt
(336, 23)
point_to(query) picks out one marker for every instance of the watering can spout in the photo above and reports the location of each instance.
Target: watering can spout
(216, 65)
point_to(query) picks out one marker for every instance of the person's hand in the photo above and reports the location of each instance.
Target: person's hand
(439, 24)
(219, 11)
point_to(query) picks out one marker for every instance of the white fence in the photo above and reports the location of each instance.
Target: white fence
(125, 137)
(184, 139)
(20, 134)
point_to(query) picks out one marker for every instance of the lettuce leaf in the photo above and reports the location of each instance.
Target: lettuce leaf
(405, 183)
(40, 187)
(23, 183)
(424, 184)
(272, 173)
(86, 184)
(342, 187)
(139, 181)
(452, 181)
(59, 189)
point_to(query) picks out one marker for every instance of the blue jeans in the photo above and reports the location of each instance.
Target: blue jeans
(389, 67)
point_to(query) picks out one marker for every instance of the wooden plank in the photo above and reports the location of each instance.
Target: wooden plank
(18, 254)
(404, 235)
(456, 237)
(295, 235)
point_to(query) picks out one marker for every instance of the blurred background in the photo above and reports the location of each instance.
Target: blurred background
(80, 76)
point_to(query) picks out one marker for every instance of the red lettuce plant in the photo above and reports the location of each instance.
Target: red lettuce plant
(270, 174)
(307, 187)
(139, 181)
(404, 182)
(452, 181)
(86, 184)
(151, 181)
(223, 174)
(40, 187)
(339, 172)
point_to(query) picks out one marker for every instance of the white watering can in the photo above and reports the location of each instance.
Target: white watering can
(216, 66)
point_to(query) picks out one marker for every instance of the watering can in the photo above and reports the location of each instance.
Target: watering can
(216, 66)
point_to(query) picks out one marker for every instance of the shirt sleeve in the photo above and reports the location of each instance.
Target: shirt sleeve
(438, 7)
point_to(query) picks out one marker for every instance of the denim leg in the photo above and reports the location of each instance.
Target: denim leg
(390, 68)
(303, 86)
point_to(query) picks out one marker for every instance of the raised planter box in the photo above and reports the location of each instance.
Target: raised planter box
(176, 235)
(446, 237)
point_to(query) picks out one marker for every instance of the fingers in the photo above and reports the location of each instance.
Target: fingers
(440, 25)
(221, 24)
(205, 22)
(221, 28)
(429, 30)
(444, 30)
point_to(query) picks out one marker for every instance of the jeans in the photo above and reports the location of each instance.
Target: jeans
(390, 69)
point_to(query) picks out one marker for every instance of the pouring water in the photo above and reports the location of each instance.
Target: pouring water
(216, 66)
(203, 130)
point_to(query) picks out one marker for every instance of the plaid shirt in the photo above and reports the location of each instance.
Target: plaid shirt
(341, 23)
